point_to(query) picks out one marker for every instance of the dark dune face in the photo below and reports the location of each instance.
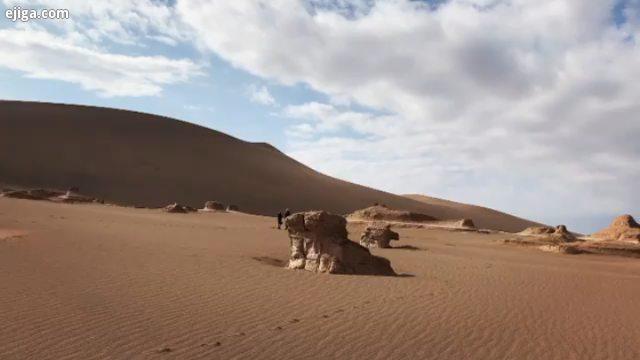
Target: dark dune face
(140, 159)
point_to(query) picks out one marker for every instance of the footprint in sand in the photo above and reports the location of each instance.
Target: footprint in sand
(165, 350)
(293, 321)
(277, 328)
(325, 316)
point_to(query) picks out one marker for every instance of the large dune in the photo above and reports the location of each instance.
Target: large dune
(141, 159)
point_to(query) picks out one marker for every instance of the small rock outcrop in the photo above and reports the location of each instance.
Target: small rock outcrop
(233, 208)
(178, 208)
(466, 223)
(319, 243)
(378, 235)
(623, 228)
(72, 196)
(214, 206)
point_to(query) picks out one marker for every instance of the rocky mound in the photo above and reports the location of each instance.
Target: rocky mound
(214, 206)
(319, 243)
(70, 196)
(559, 234)
(233, 208)
(381, 212)
(178, 208)
(33, 194)
(378, 235)
(623, 228)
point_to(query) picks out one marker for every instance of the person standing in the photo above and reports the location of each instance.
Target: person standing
(279, 220)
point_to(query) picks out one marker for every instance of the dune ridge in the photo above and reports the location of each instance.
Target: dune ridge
(133, 158)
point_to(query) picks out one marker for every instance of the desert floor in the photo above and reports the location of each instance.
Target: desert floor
(105, 282)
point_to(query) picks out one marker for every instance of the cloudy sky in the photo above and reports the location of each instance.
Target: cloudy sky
(532, 107)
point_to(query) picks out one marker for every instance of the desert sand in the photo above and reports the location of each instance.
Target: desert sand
(138, 159)
(91, 281)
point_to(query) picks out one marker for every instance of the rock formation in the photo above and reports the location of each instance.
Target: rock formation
(33, 194)
(233, 208)
(466, 223)
(381, 212)
(72, 196)
(378, 235)
(214, 206)
(319, 243)
(623, 228)
(178, 208)
(554, 235)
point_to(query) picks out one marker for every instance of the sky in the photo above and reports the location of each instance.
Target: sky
(529, 107)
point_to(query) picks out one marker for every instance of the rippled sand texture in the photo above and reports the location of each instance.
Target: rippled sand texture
(103, 282)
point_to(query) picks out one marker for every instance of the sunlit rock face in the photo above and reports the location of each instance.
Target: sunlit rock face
(378, 235)
(623, 228)
(319, 243)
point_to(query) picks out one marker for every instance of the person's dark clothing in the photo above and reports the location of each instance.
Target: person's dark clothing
(279, 220)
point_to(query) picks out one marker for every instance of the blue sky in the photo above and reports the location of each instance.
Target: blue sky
(527, 107)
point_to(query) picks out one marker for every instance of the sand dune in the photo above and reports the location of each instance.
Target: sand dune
(91, 281)
(482, 217)
(140, 159)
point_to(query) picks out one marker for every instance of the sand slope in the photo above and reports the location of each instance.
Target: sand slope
(141, 159)
(482, 217)
(102, 282)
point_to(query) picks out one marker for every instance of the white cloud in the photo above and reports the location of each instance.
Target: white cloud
(121, 21)
(260, 95)
(43, 55)
(484, 97)
(473, 100)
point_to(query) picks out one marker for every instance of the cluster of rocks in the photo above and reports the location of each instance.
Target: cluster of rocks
(378, 235)
(621, 238)
(319, 243)
(179, 209)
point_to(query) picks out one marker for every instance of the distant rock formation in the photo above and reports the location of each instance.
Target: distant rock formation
(72, 196)
(33, 194)
(178, 208)
(557, 234)
(233, 208)
(213, 206)
(623, 228)
(466, 223)
(319, 243)
(378, 235)
(381, 212)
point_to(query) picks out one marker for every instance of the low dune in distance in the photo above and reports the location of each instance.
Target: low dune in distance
(132, 158)
(483, 218)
